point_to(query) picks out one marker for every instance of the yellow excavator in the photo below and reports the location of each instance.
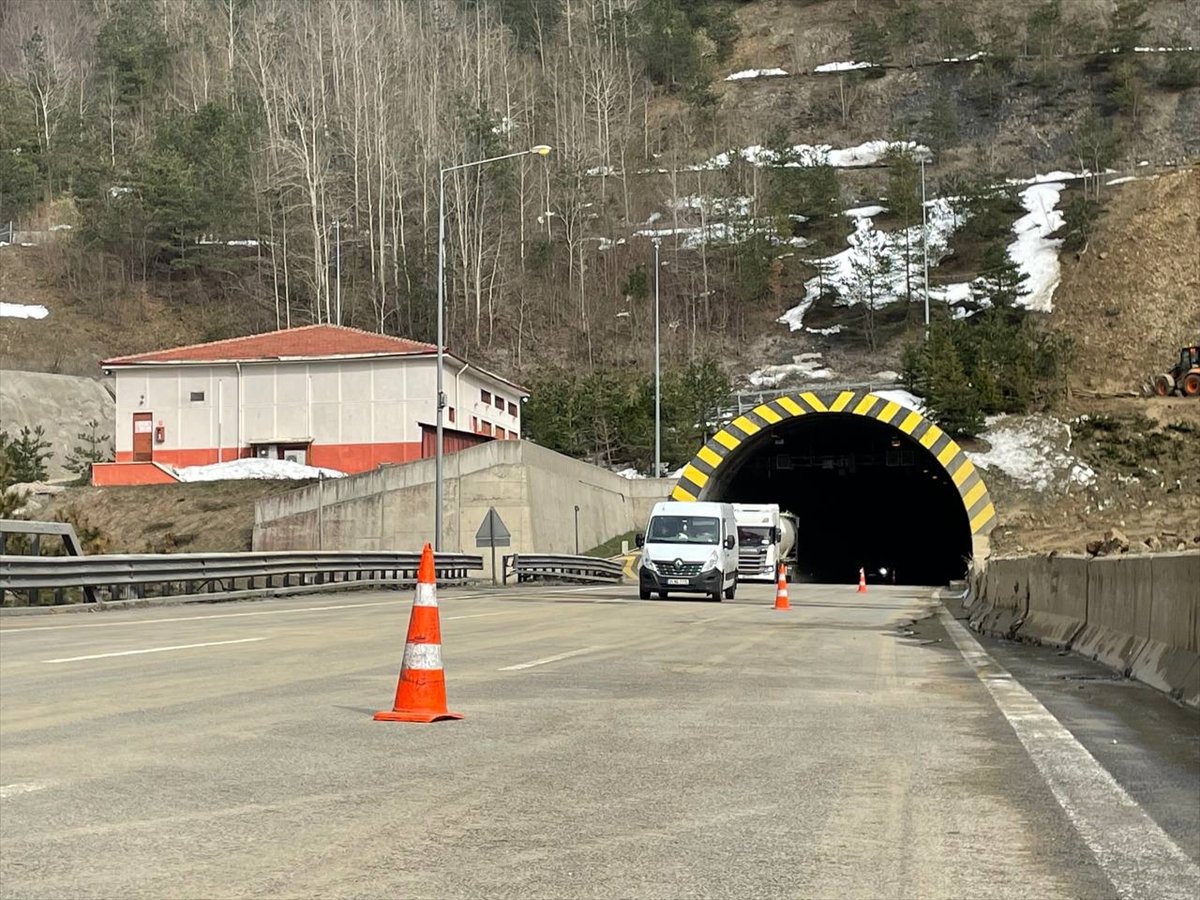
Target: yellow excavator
(1184, 377)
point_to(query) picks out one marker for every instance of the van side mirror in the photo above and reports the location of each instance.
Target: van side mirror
(730, 542)
(640, 540)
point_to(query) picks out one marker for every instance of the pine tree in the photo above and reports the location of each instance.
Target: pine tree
(951, 397)
(93, 448)
(27, 455)
(1002, 283)
(869, 43)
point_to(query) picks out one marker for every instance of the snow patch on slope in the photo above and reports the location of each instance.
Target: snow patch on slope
(1033, 451)
(262, 469)
(747, 74)
(23, 311)
(1034, 251)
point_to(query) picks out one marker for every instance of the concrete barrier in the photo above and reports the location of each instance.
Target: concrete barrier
(1001, 607)
(534, 490)
(1058, 601)
(1119, 593)
(1138, 614)
(1170, 659)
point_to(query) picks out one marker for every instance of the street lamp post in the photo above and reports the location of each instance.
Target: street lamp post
(925, 246)
(439, 450)
(657, 372)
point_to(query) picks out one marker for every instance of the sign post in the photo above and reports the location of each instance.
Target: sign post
(493, 533)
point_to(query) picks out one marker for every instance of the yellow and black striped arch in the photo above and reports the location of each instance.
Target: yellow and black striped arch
(725, 443)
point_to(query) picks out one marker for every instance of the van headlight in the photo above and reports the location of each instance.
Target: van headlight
(648, 564)
(712, 561)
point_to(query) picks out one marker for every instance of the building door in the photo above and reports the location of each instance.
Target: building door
(143, 437)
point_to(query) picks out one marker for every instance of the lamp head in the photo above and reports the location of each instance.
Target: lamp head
(540, 149)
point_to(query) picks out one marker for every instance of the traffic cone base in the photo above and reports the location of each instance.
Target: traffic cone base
(781, 590)
(421, 688)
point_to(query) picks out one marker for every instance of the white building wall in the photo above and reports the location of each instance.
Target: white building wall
(326, 402)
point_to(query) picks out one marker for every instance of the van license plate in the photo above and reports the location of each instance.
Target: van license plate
(677, 581)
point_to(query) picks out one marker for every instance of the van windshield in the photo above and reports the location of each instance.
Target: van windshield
(684, 530)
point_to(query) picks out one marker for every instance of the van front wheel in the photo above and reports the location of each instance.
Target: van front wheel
(731, 591)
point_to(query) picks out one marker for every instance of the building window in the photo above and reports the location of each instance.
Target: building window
(486, 397)
(512, 410)
(499, 403)
(451, 409)
(475, 424)
(197, 396)
(500, 435)
(487, 428)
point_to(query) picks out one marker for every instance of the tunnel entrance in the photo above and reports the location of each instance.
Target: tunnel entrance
(874, 485)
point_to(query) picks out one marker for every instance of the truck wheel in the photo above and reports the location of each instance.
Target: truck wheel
(643, 594)
(715, 596)
(1163, 385)
(731, 591)
(1191, 385)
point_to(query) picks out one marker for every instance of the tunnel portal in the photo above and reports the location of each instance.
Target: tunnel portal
(874, 484)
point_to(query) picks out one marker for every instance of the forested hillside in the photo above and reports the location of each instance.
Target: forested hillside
(240, 165)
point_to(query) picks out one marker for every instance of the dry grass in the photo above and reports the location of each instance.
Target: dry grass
(204, 517)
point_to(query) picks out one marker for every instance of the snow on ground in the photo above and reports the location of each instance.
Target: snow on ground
(881, 251)
(864, 212)
(825, 332)
(1034, 251)
(905, 398)
(869, 153)
(1034, 451)
(264, 469)
(630, 473)
(23, 311)
(886, 375)
(979, 54)
(755, 73)
(805, 367)
(843, 66)
(600, 170)
(716, 206)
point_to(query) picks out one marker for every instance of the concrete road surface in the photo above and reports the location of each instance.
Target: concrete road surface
(611, 748)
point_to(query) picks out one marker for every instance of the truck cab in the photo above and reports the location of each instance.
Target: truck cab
(766, 540)
(689, 548)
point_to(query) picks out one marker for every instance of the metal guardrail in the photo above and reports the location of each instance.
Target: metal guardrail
(561, 567)
(218, 575)
(6, 232)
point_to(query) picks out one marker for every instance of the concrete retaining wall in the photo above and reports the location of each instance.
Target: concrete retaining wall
(534, 490)
(1138, 614)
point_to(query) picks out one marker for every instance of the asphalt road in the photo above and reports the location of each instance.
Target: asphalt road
(611, 748)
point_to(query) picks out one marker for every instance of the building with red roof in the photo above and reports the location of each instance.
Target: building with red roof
(321, 395)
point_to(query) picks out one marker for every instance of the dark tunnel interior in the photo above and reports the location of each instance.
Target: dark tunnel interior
(866, 494)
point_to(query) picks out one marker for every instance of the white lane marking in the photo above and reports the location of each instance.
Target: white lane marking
(1137, 856)
(502, 612)
(67, 659)
(27, 787)
(238, 615)
(549, 659)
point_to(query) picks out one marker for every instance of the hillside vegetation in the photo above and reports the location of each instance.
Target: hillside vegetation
(227, 166)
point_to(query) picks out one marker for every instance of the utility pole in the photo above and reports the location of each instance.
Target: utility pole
(657, 371)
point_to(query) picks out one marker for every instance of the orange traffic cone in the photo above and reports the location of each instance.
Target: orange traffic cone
(781, 594)
(421, 690)
(862, 581)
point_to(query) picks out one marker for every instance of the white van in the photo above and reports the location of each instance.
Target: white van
(689, 548)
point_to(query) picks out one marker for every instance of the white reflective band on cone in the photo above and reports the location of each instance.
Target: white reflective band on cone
(426, 595)
(422, 656)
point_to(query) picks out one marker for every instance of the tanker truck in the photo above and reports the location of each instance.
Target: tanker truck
(766, 538)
